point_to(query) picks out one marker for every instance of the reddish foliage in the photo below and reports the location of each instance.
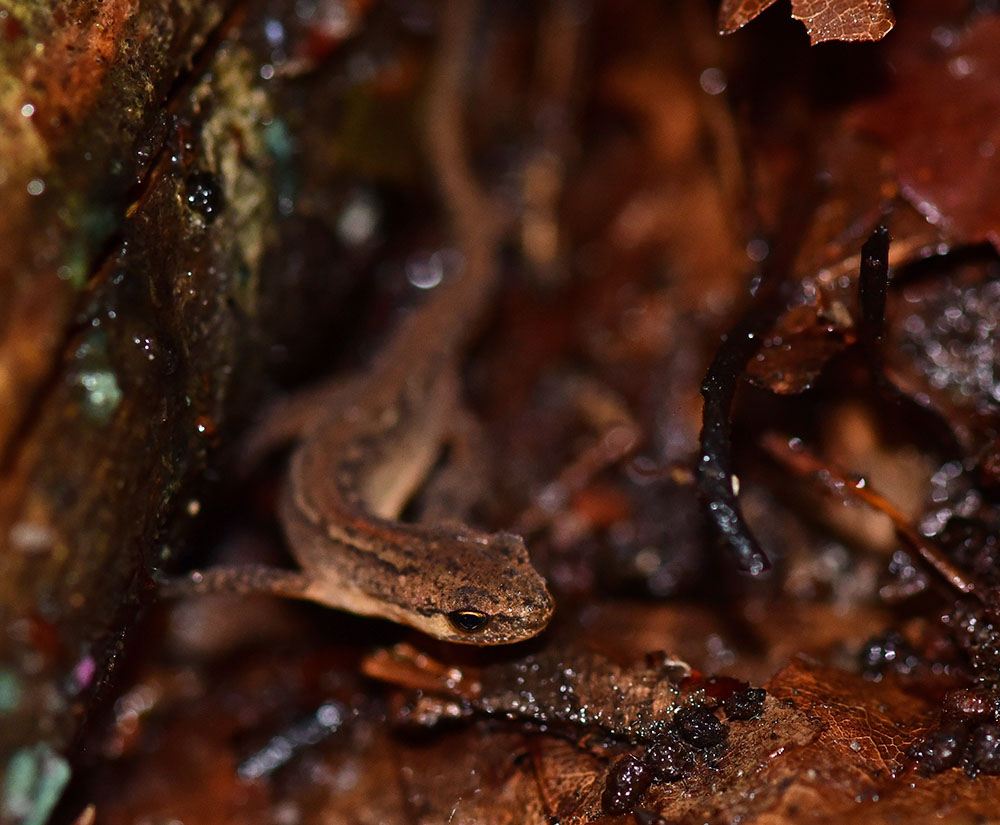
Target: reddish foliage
(941, 121)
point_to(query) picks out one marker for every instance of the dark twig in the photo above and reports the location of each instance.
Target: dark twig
(715, 466)
(873, 287)
(714, 472)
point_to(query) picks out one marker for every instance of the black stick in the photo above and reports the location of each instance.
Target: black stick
(873, 286)
(715, 465)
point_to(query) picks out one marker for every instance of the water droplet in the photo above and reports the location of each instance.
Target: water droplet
(103, 395)
(359, 219)
(713, 81)
(274, 32)
(757, 250)
(204, 195)
(427, 271)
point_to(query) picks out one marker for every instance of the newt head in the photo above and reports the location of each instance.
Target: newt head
(468, 587)
(512, 603)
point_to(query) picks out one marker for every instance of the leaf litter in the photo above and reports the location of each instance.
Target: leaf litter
(861, 694)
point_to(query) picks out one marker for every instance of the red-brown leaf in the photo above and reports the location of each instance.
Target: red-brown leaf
(942, 120)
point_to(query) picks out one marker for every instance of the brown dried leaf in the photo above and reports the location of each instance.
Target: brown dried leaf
(566, 688)
(844, 19)
(856, 768)
(735, 14)
(868, 725)
(823, 19)
(797, 349)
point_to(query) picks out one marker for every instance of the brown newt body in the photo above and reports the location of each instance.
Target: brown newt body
(367, 444)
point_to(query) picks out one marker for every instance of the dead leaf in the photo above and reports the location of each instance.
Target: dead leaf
(798, 348)
(735, 14)
(566, 688)
(823, 19)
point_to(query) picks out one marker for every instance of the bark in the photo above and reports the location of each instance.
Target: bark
(138, 194)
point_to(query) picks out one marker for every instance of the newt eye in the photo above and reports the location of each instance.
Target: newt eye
(468, 621)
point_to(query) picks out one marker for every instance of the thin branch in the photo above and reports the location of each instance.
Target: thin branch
(794, 456)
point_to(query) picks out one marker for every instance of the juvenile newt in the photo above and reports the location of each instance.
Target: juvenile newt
(366, 446)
